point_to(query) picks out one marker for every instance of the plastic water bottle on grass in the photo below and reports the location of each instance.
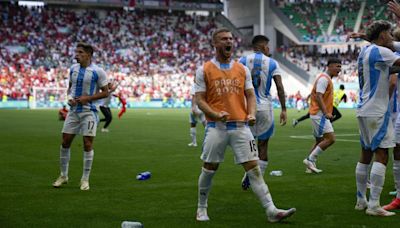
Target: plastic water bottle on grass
(277, 173)
(131, 224)
(143, 176)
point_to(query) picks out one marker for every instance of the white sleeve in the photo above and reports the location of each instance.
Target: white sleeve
(248, 83)
(322, 84)
(102, 78)
(200, 85)
(396, 45)
(242, 60)
(193, 90)
(277, 70)
(388, 56)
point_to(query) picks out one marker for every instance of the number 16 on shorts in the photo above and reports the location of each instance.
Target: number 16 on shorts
(253, 147)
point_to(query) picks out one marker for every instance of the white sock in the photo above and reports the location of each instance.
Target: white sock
(263, 166)
(314, 154)
(396, 175)
(205, 182)
(193, 135)
(65, 154)
(260, 188)
(87, 164)
(361, 180)
(377, 180)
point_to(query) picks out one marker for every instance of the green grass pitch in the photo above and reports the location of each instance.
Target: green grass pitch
(156, 140)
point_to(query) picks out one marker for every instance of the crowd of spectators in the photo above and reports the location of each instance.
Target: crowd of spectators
(152, 54)
(313, 59)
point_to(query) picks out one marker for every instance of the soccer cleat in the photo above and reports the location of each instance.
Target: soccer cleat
(104, 130)
(60, 181)
(379, 211)
(85, 185)
(393, 193)
(201, 214)
(311, 165)
(295, 122)
(394, 205)
(308, 170)
(279, 214)
(361, 204)
(192, 144)
(245, 182)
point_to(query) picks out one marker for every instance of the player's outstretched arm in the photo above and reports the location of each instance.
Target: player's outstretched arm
(394, 6)
(355, 35)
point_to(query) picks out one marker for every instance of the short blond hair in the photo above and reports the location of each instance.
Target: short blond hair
(218, 31)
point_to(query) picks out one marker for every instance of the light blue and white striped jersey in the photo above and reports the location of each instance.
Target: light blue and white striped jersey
(394, 100)
(373, 76)
(86, 81)
(263, 69)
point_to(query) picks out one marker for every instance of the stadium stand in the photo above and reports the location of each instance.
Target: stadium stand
(153, 54)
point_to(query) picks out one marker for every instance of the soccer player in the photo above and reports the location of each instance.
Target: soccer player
(195, 114)
(338, 96)
(304, 117)
(395, 204)
(225, 94)
(105, 109)
(263, 70)
(321, 108)
(122, 101)
(62, 113)
(373, 114)
(85, 80)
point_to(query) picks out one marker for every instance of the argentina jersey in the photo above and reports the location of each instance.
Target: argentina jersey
(86, 81)
(396, 95)
(263, 69)
(373, 75)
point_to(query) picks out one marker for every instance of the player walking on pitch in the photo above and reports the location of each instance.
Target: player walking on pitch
(321, 107)
(263, 70)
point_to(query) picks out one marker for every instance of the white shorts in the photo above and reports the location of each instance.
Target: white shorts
(376, 132)
(198, 115)
(84, 123)
(321, 125)
(236, 134)
(264, 127)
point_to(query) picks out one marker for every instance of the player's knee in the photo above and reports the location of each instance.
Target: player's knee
(87, 147)
(211, 166)
(65, 145)
(330, 139)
